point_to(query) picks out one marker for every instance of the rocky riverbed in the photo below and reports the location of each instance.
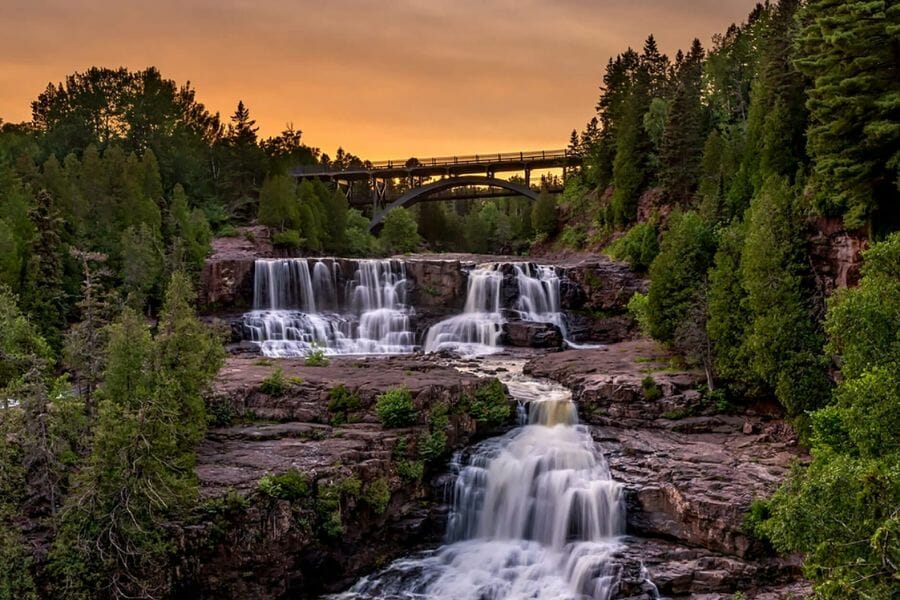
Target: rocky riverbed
(690, 473)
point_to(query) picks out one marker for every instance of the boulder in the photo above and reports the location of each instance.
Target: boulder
(528, 334)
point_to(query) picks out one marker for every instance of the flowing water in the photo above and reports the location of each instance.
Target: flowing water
(477, 331)
(302, 304)
(534, 515)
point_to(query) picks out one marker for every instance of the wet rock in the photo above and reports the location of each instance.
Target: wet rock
(263, 546)
(604, 284)
(528, 334)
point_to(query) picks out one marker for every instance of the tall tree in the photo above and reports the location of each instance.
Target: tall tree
(849, 49)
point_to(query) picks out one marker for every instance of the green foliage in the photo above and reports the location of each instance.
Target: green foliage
(782, 344)
(400, 232)
(639, 309)
(410, 470)
(289, 238)
(378, 495)
(543, 214)
(846, 48)
(278, 205)
(490, 405)
(639, 246)
(841, 510)
(275, 384)
(650, 389)
(111, 530)
(15, 559)
(680, 267)
(395, 408)
(316, 357)
(357, 239)
(342, 403)
(432, 444)
(290, 485)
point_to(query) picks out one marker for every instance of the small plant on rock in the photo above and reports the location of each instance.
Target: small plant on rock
(490, 404)
(342, 403)
(395, 408)
(650, 389)
(378, 495)
(317, 357)
(275, 384)
(290, 485)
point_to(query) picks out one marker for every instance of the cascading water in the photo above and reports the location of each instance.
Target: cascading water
(299, 305)
(477, 331)
(535, 515)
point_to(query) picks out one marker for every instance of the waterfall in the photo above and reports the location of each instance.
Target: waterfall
(477, 330)
(299, 305)
(534, 515)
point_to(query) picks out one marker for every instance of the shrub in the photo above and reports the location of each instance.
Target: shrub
(328, 510)
(289, 238)
(543, 214)
(317, 357)
(378, 495)
(228, 230)
(395, 408)
(650, 389)
(342, 402)
(490, 404)
(432, 446)
(638, 247)
(639, 307)
(410, 470)
(275, 384)
(290, 485)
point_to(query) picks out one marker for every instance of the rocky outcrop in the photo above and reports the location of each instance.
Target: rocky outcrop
(303, 493)
(528, 334)
(836, 254)
(227, 278)
(690, 472)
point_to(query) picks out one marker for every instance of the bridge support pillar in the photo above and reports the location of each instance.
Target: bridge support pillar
(527, 177)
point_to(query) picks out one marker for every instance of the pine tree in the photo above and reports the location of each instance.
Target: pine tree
(681, 149)
(43, 296)
(849, 49)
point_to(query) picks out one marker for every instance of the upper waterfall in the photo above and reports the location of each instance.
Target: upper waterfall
(301, 303)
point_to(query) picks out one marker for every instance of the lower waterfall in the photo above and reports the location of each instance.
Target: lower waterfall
(534, 515)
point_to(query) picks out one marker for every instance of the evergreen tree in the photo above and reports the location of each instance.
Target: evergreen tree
(243, 164)
(849, 50)
(680, 268)
(140, 473)
(142, 265)
(681, 148)
(543, 214)
(43, 294)
(782, 343)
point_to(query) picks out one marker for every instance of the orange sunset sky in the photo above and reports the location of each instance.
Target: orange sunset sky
(382, 78)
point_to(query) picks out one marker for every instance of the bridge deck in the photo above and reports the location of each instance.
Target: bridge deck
(447, 165)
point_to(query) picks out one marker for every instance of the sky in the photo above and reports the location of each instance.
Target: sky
(384, 79)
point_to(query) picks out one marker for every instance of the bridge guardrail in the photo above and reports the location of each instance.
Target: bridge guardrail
(443, 161)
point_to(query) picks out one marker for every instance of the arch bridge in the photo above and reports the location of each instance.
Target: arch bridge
(372, 185)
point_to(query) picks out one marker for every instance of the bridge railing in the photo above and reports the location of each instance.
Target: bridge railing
(445, 161)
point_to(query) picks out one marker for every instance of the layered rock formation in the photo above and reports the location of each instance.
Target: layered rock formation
(303, 493)
(691, 472)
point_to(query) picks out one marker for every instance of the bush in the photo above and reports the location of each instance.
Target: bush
(395, 408)
(290, 485)
(342, 402)
(411, 470)
(490, 405)
(275, 384)
(378, 495)
(638, 247)
(289, 238)
(639, 308)
(317, 357)
(228, 231)
(650, 389)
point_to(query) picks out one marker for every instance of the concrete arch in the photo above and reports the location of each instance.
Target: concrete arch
(418, 194)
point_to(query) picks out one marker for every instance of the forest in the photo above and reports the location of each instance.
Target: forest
(709, 172)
